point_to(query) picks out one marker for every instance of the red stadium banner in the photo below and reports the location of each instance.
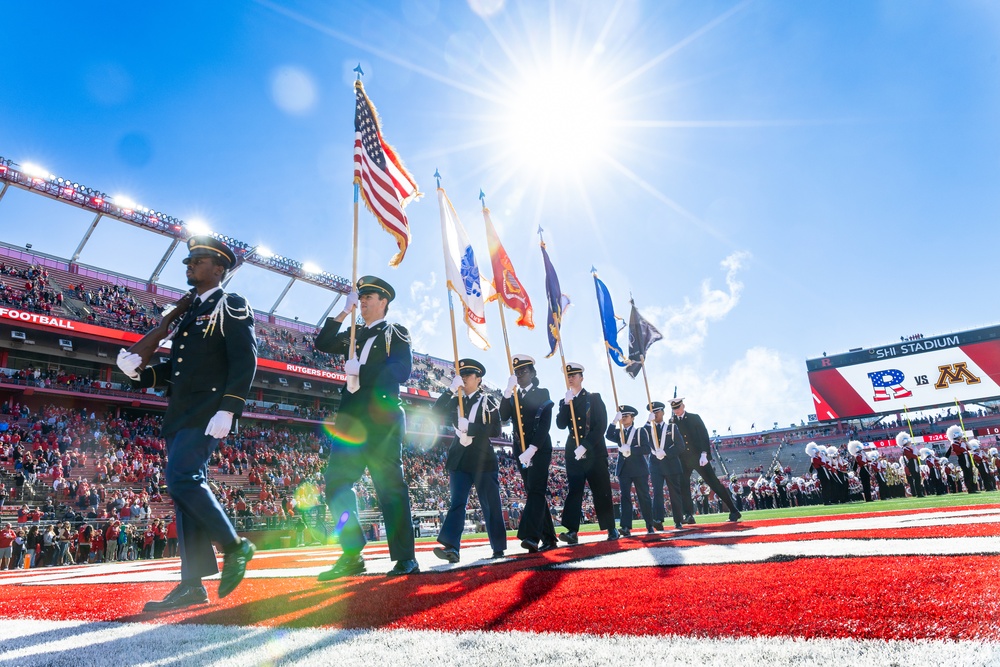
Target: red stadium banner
(39, 321)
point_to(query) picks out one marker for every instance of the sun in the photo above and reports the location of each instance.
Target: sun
(560, 120)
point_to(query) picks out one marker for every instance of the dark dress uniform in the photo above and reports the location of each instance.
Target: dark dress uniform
(211, 366)
(860, 465)
(591, 424)
(632, 470)
(475, 465)
(694, 442)
(669, 469)
(369, 429)
(536, 418)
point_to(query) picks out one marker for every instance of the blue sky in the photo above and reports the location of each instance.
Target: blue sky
(770, 180)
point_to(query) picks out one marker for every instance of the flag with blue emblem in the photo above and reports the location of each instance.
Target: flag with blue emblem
(462, 272)
(609, 323)
(557, 302)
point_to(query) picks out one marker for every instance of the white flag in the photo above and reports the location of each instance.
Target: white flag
(463, 272)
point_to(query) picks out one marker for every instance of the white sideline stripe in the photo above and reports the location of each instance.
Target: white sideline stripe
(70, 644)
(118, 573)
(656, 553)
(920, 520)
(715, 554)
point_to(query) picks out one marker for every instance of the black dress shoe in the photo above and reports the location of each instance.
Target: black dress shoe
(182, 596)
(449, 554)
(688, 519)
(530, 546)
(625, 532)
(404, 567)
(735, 516)
(658, 525)
(346, 566)
(497, 554)
(234, 566)
(548, 546)
(613, 535)
(569, 538)
(678, 525)
(651, 531)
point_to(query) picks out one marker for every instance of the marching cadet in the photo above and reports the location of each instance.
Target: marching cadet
(586, 456)
(912, 464)
(369, 427)
(536, 530)
(960, 448)
(935, 483)
(631, 468)
(471, 459)
(208, 376)
(665, 459)
(736, 488)
(695, 452)
(985, 476)
(859, 463)
(817, 456)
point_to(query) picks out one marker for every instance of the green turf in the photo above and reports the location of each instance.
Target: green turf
(950, 500)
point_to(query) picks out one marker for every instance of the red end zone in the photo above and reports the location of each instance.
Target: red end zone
(898, 575)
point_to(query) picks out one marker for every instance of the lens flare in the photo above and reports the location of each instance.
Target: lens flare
(347, 431)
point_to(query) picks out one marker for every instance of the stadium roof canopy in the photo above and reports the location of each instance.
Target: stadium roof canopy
(35, 180)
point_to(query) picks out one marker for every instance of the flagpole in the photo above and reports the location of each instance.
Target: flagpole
(354, 252)
(611, 373)
(454, 343)
(451, 306)
(562, 358)
(506, 342)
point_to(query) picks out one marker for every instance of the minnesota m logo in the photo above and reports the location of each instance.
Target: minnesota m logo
(955, 373)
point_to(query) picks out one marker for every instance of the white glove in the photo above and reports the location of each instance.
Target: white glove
(219, 425)
(625, 450)
(569, 396)
(703, 461)
(659, 453)
(527, 455)
(511, 386)
(129, 363)
(351, 302)
(618, 419)
(463, 424)
(651, 418)
(352, 367)
(456, 384)
(580, 452)
(464, 438)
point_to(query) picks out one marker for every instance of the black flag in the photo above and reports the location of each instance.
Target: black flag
(641, 334)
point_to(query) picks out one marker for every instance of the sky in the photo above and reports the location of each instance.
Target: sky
(768, 180)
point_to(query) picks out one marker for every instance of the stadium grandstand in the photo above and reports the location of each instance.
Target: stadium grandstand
(79, 445)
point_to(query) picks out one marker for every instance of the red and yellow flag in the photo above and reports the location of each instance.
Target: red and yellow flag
(508, 288)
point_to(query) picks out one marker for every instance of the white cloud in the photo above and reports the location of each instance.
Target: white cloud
(760, 388)
(686, 327)
(422, 318)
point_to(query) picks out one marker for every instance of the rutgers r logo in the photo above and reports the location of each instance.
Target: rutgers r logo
(955, 373)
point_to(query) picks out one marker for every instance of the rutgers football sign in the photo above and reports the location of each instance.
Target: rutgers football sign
(912, 375)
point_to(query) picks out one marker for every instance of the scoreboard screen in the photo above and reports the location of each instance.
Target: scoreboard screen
(910, 375)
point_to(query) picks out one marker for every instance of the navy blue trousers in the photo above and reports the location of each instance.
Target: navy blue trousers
(200, 518)
(641, 482)
(381, 452)
(488, 490)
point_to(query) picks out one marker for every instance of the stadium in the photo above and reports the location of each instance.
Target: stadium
(275, 390)
(81, 448)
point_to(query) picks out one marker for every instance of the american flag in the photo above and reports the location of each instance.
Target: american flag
(385, 184)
